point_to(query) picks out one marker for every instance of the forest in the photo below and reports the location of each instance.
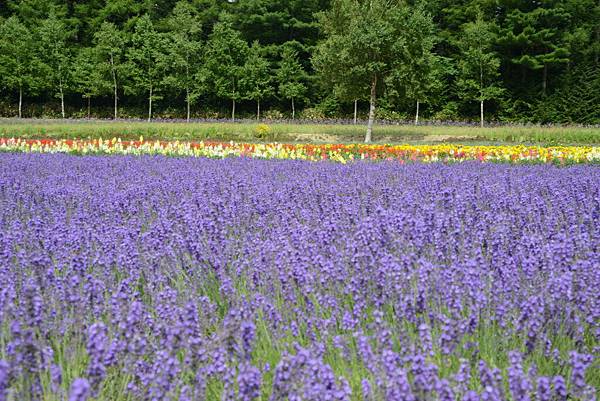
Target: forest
(508, 61)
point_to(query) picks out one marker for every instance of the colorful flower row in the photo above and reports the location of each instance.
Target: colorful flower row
(338, 152)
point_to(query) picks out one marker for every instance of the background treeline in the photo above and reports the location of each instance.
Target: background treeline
(527, 60)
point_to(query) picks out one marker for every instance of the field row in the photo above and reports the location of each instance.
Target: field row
(259, 280)
(337, 153)
(298, 132)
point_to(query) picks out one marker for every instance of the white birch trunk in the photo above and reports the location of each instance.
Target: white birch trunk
(369, 133)
(62, 101)
(114, 77)
(89, 102)
(355, 111)
(187, 88)
(417, 114)
(481, 92)
(293, 110)
(150, 105)
(258, 110)
(20, 101)
(233, 110)
(481, 112)
(187, 95)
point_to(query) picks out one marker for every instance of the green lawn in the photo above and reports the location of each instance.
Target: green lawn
(314, 133)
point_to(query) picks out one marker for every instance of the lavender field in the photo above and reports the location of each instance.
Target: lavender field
(152, 278)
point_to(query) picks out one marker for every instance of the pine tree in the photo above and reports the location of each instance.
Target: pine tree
(537, 37)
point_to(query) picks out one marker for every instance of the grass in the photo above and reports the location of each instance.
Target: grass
(298, 133)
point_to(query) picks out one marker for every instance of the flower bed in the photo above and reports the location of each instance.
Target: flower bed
(160, 278)
(334, 152)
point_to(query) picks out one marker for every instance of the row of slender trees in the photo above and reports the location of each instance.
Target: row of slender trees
(145, 63)
(385, 52)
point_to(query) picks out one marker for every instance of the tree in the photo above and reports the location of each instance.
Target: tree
(185, 29)
(291, 77)
(365, 41)
(56, 56)
(109, 44)
(86, 76)
(147, 60)
(346, 85)
(256, 78)
(33, 12)
(478, 65)
(420, 73)
(17, 58)
(277, 22)
(225, 59)
(538, 37)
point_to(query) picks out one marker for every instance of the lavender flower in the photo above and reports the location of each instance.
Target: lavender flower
(80, 390)
(4, 379)
(579, 363)
(96, 348)
(381, 271)
(249, 380)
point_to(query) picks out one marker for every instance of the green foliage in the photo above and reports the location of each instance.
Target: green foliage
(538, 36)
(18, 60)
(420, 74)
(578, 100)
(364, 40)
(55, 55)
(373, 44)
(32, 12)
(478, 65)
(256, 76)
(147, 60)
(291, 76)
(226, 54)
(314, 51)
(86, 74)
(184, 55)
(109, 49)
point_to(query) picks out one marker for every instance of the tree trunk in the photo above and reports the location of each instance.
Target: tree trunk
(417, 114)
(368, 136)
(116, 114)
(258, 110)
(62, 100)
(545, 80)
(114, 77)
(355, 110)
(150, 105)
(187, 96)
(481, 92)
(233, 110)
(89, 99)
(293, 110)
(481, 112)
(187, 88)
(20, 101)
